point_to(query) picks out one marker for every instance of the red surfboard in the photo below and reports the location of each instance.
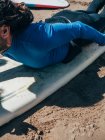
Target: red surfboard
(44, 3)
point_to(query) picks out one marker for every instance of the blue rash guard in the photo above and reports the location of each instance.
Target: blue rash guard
(43, 44)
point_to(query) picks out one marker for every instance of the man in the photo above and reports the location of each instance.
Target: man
(41, 44)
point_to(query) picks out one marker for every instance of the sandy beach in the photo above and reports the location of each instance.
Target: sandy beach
(74, 112)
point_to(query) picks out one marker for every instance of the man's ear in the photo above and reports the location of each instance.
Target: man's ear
(5, 31)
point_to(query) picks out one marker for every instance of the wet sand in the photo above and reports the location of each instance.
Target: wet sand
(74, 112)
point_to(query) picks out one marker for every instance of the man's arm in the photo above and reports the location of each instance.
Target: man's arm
(50, 36)
(61, 34)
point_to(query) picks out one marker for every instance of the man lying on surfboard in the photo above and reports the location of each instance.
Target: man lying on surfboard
(44, 43)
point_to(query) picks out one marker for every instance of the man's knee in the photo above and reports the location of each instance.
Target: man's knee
(95, 6)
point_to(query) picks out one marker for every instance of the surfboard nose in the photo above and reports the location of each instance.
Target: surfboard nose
(64, 2)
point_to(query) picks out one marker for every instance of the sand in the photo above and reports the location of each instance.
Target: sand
(74, 112)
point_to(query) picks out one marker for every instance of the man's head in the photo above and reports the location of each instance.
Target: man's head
(13, 18)
(17, 16)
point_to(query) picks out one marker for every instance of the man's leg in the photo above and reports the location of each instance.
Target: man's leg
(95, 6)
(74, 16)
(89, 16)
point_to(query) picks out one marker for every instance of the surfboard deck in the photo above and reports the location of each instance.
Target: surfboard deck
(22, 88)
(44, 3)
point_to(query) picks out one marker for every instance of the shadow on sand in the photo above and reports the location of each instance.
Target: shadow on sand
(2, 62)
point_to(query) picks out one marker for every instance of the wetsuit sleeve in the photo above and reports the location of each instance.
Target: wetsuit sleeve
(62, 33)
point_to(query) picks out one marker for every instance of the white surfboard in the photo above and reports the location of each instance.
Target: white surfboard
(22, 88)
(44, 3)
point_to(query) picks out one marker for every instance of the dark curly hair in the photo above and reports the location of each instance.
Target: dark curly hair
(17, 16)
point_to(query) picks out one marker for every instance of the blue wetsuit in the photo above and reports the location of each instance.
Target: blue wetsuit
(42, 44)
